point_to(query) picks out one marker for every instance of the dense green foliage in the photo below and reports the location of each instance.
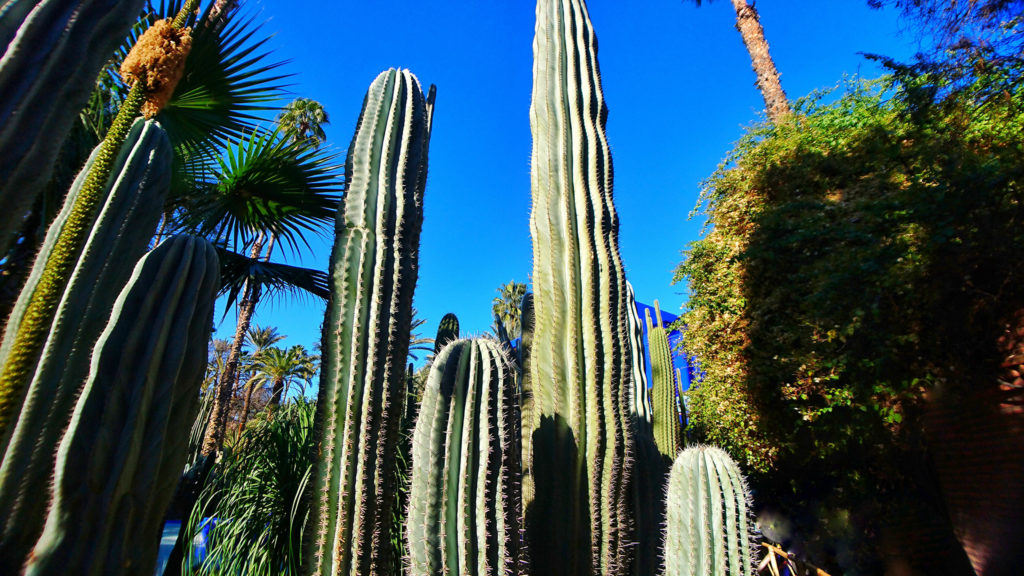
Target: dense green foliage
(257, 493)
(862, 260)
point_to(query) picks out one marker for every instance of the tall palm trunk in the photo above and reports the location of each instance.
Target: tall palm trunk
(244, 417)
(276, 391)
(218, 423)
(749, 25)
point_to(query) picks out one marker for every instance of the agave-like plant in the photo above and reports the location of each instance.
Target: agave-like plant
(256, 498)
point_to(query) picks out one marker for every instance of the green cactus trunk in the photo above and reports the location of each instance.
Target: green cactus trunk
(53, 52)
(641, 404)
(708, 529)
(447, 331)
(577, 481)
(124, 226)
(668, 431)
(125, 447)
(366, 332)
(464, 501)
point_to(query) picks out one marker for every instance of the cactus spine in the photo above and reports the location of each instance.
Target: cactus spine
(123, 227)
(580, 461)
(708, 529)
(52, 53)
(366, 332)
(668, 432)
(447, 331)
(124, 450)
(464, 498)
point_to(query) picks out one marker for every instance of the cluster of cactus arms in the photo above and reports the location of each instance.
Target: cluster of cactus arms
(366, 331)
(26, 345)
(464, 506)
(668, 430)
(53, 51)
(577, 472)
(708, 529)
(447, 331)
(124, 226)
(124, 449)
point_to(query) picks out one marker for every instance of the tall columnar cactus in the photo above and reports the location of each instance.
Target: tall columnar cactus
(464, 503)
(366, 332)
(708, 529)
(123, 229)
(668, 432)
(52, 53)
(640, 399)
(576, 484)
(447, 331)
(39, 312)
(125, 447)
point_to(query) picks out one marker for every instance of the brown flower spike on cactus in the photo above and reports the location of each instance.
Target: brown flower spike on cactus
(158, 61)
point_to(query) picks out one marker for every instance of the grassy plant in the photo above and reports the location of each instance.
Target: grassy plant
(257, 496)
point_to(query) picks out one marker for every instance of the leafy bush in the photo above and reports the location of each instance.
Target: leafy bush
(863, 257)
(256, 495)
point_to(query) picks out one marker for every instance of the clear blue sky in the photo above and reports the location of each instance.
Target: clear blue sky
(677, 81)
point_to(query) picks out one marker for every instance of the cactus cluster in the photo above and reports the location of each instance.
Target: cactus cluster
(668, 430)
(124, 226)
(124, 449)
(366, 331)
(708, 529)
(464, 505)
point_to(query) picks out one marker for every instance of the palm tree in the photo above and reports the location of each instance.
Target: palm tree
(261, 340)
(418, 343)
(263, 190)
(749, 25)
(280, 368)
(302, 121)
(506, 307)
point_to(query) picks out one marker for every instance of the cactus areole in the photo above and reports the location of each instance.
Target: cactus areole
(576, 482)
(366, 331)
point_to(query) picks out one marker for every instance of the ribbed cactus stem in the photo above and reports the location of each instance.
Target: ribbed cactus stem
(464, 500)
(667, 430)
(366, 331)
(708, 528)
(640, 399)
(52, 53)
(31, 336)
(447, 331)
(577, 479)
(123, 228)
(125, 447)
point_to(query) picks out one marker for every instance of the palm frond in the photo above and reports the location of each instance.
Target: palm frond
(270, 277)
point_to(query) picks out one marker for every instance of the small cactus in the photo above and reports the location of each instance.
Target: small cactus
(464, 505)
(126, 445)
(708, 527)
(668, 432)
(447, 331)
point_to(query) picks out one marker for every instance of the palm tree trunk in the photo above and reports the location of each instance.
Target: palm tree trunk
(749, 25)
(245, 406)
(275, 393)
(214, 437)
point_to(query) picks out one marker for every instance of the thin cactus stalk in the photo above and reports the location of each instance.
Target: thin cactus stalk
(366, 332)
(123, 227)
(28, 342)
(708, 528)
(577, 510)
(464, 501)
(52, 53)
(641, 400)
(124, 449)
(447, 331)
(668, 432)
